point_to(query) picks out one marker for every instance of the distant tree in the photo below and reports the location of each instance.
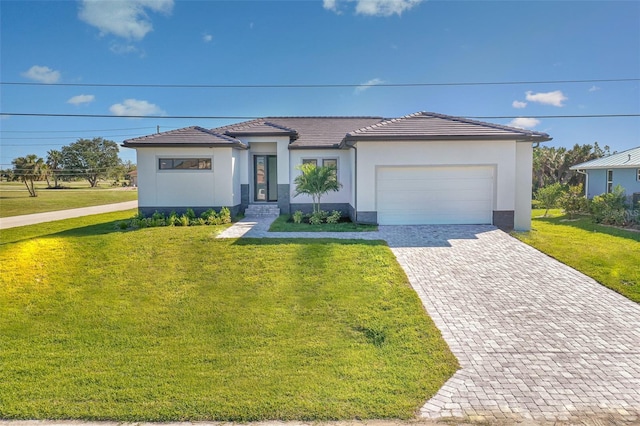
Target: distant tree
(316, 181)
(552, 165)
(29, 169)
(548, 196)
(54, 164)
(91, 159)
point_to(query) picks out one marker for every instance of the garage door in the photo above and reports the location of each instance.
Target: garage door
(434, 195)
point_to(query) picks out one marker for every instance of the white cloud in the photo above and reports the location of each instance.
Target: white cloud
(374, 7)
(42, 74)
(123, 18)
(330, 5)
(81, 99)
(123, 49)
(555, 98)
(207, 38)
(518, 104)
(131, 107)
(594, 88)
(368, 85)
(524, 123)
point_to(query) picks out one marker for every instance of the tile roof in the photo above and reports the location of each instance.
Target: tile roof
(625, 159)
(335, 132)
(187, 136)
(432, 126)
(305, 132)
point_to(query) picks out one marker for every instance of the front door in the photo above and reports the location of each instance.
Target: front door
(265, 178)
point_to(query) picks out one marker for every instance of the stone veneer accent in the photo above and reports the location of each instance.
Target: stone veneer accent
(148, 211)
(504, 219)
(368, 217)
(284, 198)
(244, 196)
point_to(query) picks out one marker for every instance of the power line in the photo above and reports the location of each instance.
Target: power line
(319, 86)
(222, 117)
(64, 137)
(74, 131)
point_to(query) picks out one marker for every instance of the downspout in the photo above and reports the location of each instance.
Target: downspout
(586, 181)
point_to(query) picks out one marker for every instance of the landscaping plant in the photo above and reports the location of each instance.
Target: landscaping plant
(316, 181)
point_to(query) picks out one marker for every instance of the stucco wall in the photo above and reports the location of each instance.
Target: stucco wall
(344, 173)
(512, 164)
(627, 178)
(524, 166)
(186, 188)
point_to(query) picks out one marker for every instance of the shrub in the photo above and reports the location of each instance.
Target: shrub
(573, 201)
(297, 216)
(190, 214)
(225, 215)
(334, 217)
(548, 196)
(318, 217)
(610, 208)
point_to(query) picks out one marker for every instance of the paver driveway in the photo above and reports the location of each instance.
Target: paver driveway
(535, 338)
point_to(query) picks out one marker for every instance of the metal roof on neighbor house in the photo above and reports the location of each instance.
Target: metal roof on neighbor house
(625, 159)
(432, 126)
(187, 136)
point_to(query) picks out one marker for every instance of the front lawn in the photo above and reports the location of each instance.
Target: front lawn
(609, 255)
(284, 224)
(15, 200)
(168, 324)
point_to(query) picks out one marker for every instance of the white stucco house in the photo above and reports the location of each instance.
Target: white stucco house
(604, 174)
(423, 168)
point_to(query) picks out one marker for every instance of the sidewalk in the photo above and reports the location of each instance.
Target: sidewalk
(32, 219)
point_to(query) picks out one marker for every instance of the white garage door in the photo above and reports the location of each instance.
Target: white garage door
(434, 195)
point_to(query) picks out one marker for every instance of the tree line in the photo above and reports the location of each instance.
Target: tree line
(90, 159)
(551, 165)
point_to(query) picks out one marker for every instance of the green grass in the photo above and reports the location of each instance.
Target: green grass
(165, 324)
(282, 224)
(609, 255)
(15, 200)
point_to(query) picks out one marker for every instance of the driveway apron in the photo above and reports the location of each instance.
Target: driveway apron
(535, 339)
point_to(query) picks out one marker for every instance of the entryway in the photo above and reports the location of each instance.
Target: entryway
(265, 178)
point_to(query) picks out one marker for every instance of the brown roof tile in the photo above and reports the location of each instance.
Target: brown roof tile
(305, 132)
(187, 136)
(431, 126)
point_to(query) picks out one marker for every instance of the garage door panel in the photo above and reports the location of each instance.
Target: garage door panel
(435, 195)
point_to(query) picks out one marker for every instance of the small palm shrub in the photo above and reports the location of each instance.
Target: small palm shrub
(610, 208)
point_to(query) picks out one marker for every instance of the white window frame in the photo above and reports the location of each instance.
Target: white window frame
(609, 181)
(638, 175)
(313, 161)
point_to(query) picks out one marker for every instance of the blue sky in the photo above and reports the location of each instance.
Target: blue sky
(353, 42)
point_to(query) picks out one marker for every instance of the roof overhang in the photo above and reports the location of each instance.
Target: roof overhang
(238, 145)
(351, 139)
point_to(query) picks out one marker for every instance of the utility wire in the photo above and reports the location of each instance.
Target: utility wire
(62, 137)
(74, 131)
(313, 86)
(239, 117)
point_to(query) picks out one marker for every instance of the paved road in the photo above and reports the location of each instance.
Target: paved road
(536, 340)
(32, 219)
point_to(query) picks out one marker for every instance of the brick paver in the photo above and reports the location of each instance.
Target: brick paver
(535, 339)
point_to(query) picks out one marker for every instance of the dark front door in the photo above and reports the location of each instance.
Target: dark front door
(265, 178)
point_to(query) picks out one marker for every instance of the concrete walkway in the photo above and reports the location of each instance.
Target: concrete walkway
(32, 219)
(536, 340)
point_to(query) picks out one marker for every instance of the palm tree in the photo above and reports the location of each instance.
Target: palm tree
(316, 181)
(29, 169)
(54, 161)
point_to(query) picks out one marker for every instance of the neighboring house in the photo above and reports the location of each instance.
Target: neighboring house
(133, 178)
(423, 168)
(603, 174)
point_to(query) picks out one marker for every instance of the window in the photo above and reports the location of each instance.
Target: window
(330, 162)
(184, 164)
(638, 175)
(609, 181)
(310, 161)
